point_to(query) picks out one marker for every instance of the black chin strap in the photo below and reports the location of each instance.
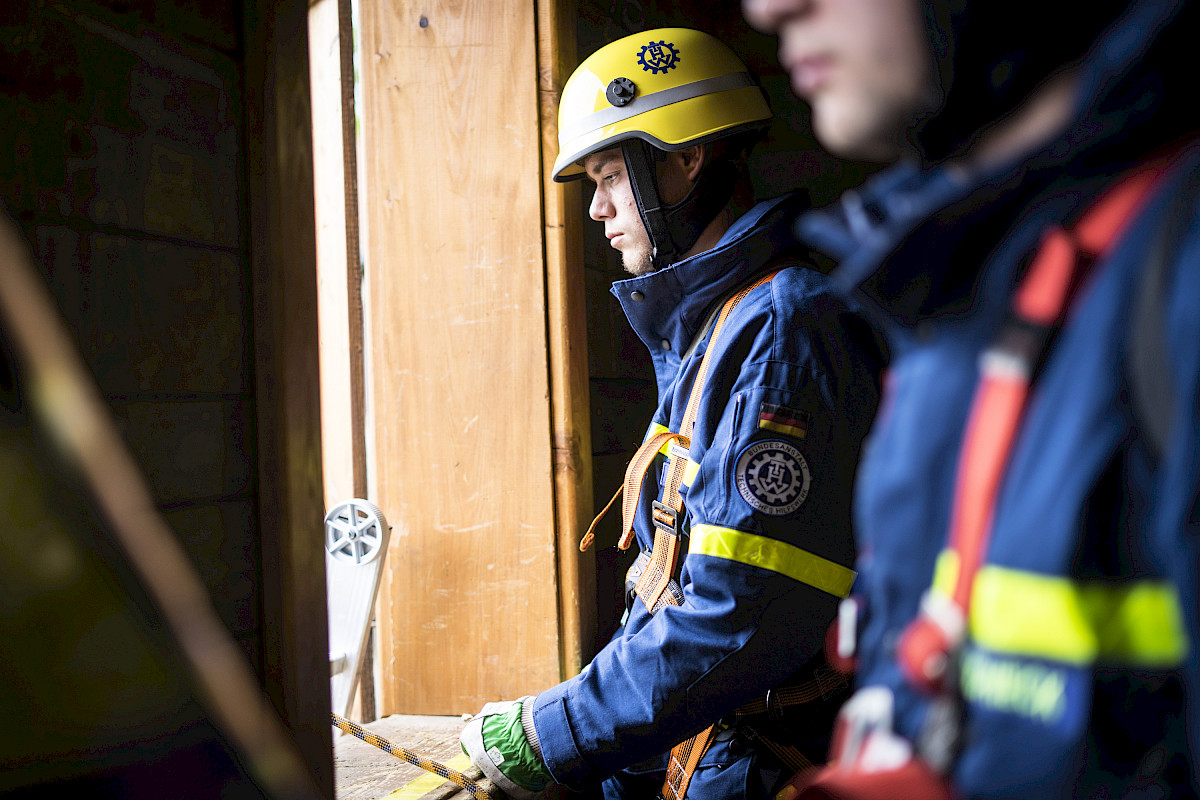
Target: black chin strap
(639, 163)
(674, 229)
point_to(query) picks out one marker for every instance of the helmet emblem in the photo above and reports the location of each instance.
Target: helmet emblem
(658, 57)
(620, 92)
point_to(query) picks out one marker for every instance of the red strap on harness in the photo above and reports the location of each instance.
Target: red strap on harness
(1007, 370)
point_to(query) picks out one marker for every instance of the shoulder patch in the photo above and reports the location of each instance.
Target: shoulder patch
(772, 477)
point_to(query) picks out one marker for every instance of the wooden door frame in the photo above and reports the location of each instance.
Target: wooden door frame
(295, 658)
(566, 311)
(282, 225)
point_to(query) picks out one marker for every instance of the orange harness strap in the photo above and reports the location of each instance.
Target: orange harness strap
(789, 756)
(825, 682)
(664, 556)
(635, 473)
(1006, 375)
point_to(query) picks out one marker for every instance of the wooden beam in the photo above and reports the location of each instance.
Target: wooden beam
(283, 243)
(340, 446)
(568, 349)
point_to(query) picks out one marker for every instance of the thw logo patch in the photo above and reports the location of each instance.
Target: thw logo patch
(773, 477)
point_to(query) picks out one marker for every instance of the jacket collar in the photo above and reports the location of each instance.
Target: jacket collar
(674, 301)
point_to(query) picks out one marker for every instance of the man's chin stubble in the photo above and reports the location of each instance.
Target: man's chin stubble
(637, 264)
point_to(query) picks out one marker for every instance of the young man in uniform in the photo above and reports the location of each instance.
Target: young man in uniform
(739, 498)
(1027, 512)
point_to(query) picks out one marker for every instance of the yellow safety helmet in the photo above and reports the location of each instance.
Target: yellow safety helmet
(670, 87)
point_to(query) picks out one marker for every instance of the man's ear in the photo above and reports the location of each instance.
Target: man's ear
(692, 159)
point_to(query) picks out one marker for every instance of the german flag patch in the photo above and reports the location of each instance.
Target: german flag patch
(782, 419)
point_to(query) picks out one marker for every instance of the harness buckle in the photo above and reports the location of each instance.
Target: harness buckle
(666, 518)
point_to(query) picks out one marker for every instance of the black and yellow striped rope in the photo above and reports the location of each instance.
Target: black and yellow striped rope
(476, 790)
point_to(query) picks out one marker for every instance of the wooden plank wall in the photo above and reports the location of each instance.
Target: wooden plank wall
(458, 353)
(120, 159)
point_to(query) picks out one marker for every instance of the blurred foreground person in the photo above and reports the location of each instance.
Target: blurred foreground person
(1028, 511)
(715, 686)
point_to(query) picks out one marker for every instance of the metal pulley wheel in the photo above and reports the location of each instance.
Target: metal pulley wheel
(355, 531)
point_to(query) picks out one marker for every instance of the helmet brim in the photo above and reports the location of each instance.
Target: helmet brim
(725, 113)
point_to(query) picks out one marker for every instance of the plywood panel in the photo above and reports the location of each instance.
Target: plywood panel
(457, 336)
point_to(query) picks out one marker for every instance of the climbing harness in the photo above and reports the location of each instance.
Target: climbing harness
(476, 789)
(664, 555)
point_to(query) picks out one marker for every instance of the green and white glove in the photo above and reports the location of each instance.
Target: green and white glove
(502, 742)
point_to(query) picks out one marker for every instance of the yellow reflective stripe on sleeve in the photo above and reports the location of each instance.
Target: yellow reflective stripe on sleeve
(689, 472)
(759, 551)
(1136, 623)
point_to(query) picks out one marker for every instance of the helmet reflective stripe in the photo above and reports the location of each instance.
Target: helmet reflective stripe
(643, 103)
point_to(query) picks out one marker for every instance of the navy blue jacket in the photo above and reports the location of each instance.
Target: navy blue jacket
(792, 387)
(1079, 677)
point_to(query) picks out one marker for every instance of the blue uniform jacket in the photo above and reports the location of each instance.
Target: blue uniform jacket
(1080, 666)
(793, 385)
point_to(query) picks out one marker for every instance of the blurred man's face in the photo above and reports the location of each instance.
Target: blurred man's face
(863, 65)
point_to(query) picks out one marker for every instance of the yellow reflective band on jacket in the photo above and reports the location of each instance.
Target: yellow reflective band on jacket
(945, 573)
(1133, 623)
(690, 472)
(759, 551)
(656, 429)
(692, 468)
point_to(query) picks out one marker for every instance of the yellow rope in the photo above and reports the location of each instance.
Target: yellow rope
(455, 777)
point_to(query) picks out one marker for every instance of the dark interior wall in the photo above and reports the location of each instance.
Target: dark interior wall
(136, 139)
(622, 391)
(123, 163)
(121, 159)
